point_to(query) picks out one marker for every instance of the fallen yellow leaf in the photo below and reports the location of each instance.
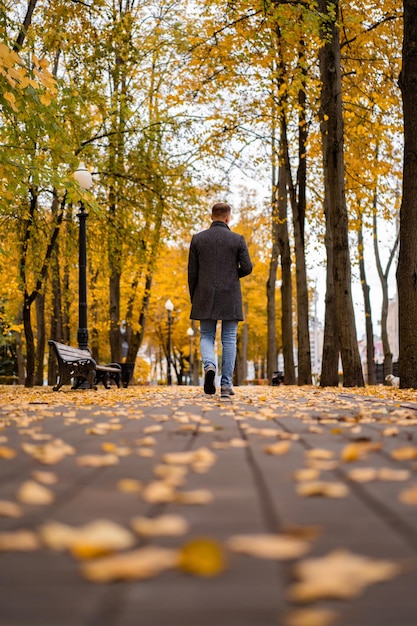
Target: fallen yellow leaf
(31, 492)
(311, 617)
(97, 460)
(195, 496)
(94, 539)
(340, 574)
(19, 540)
(202, 557)
(158, 491)
(322, 488)
(409, 496)
(265, 546)
(7, 453)
(10, 509)
(405, 453)
(169, 525)
(129, 485)
(278, 449)
(139, 564)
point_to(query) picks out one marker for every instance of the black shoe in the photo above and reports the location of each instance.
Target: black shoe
(227, 391)
(209, 387)
(225, 395)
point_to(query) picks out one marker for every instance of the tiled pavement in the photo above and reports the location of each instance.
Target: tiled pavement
(253, 492)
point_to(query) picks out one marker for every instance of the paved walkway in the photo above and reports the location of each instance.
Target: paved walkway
(304, 513)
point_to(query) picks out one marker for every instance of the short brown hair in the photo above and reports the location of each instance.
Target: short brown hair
(220, 209)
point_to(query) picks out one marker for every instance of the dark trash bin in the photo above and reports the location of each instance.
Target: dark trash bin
(277, 378)
(127, 373)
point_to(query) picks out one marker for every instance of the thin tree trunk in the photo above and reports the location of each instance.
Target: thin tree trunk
(298, 213)
(40, 339)
(271, 355)
(286, 284)
(332, 138)
(370, 348)
(19, 349)
(56, 315)
(383, 277)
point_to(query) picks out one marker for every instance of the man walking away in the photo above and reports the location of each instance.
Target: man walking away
(218, 258)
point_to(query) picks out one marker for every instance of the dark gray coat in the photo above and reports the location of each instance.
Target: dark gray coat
(217, 259)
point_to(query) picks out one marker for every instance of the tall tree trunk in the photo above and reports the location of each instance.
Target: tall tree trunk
(286, 282)
(56, 322)
(298, 213)
(19, 349)
(329, 376)
(407, 262)
(332, 138)
(370, 348)
(271, 306)
(40, 339)
(383, 277)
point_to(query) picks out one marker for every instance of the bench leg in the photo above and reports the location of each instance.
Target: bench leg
(63, 378)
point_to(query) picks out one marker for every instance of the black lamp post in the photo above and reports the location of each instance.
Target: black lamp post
(190, 333)
(84, 179)
(169, 307)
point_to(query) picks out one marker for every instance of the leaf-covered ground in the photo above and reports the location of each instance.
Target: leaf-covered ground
(285, 506)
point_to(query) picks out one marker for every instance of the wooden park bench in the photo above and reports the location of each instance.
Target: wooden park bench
(79, 365)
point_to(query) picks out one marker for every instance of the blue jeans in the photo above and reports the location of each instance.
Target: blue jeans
(228, 336)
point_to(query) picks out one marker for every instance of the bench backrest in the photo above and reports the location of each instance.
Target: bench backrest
(68, 353)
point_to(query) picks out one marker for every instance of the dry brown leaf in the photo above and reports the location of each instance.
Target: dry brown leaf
(136, 565)
(97, 460)
(7, 453)
(409, 496)
(19, 540)
(279, 547)
(311, 617)
(340, 574)
(322, 488)
(278, 449)
(94, 539)
(31, 492)
(169, 525)
(196, 496)
(10, 509)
